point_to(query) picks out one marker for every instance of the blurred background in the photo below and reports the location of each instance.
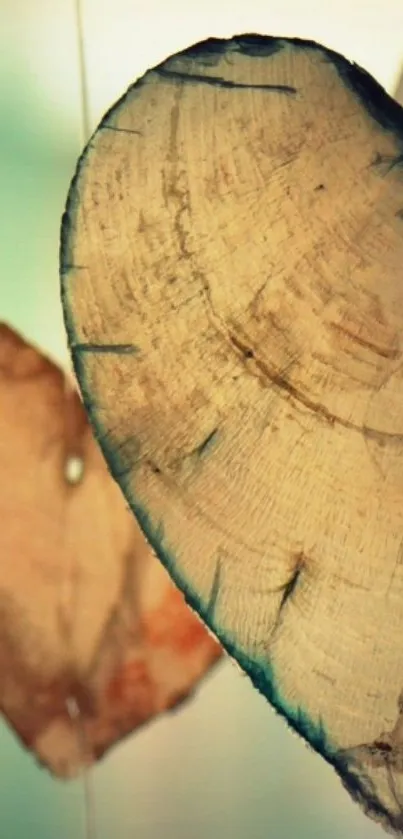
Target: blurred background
(224, 766)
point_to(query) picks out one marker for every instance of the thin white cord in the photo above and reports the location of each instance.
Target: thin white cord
(85, 122)
(74, 465)
(82, 67)
(90, 827)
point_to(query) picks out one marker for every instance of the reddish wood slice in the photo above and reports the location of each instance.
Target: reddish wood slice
(89, 619)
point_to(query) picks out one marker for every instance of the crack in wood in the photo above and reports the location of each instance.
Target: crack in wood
(219, 81)
(215, 588)
(286, 387)
(114, 349)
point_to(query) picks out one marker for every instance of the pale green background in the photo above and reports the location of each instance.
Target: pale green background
(225, 766)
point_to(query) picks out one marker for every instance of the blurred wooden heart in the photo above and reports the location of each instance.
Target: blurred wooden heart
(90, 622)
(231, 261)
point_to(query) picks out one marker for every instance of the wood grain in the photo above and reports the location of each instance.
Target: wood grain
(236, 223)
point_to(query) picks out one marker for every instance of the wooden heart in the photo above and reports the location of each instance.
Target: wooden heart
(231, 261)
(95, 640)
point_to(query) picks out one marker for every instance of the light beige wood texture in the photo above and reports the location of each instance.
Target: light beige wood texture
(232, 277)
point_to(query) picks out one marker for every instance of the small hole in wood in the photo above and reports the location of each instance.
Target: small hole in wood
(74, 470)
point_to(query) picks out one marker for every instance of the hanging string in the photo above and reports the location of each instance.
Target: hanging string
(90, 827)
(85, 126)
(82, 69)
(74, 467)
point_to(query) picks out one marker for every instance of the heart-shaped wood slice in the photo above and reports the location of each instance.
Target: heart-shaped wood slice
(232, 258)
(94, 637)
